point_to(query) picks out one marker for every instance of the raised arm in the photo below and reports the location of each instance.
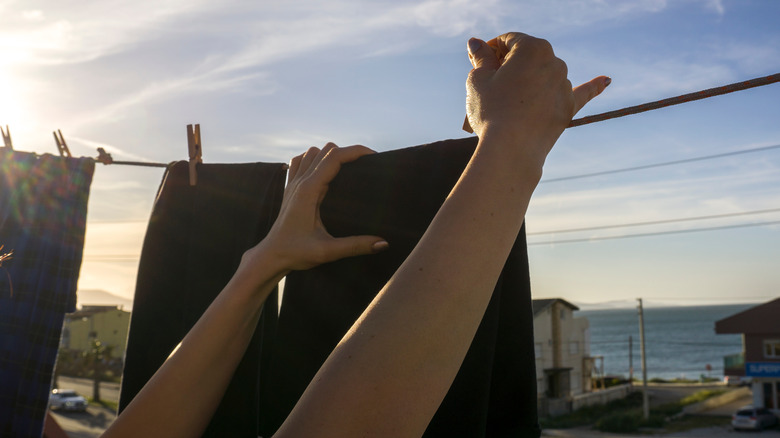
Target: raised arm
(391, 371)
(207, 357)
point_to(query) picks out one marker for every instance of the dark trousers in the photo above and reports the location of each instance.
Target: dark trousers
(395, 195)
(196, 237)
(193, 245)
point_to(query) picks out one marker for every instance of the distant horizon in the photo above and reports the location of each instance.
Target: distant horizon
(102, 297)
(654, 304)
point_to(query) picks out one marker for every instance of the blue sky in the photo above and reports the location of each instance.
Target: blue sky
(267, 80)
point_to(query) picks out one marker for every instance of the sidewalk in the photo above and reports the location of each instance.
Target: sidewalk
(89, 424)
(586, 432)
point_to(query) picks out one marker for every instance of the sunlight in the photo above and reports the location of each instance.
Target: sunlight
(12, 111)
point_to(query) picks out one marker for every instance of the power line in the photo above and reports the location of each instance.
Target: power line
(660, 233)
(656, 222)
(666, 163)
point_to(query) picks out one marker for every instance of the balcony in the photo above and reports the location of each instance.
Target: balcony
(734, 365)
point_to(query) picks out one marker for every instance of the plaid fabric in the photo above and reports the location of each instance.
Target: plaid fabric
(43, 206)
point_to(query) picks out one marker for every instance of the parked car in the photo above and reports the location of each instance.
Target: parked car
(737, 380)
(753, 418)
(67, 400)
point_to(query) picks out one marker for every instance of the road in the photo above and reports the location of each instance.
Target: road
(92, 423)
(585, 432)
(108, 391)
(96, 419)
(89, 424)
(659, 394)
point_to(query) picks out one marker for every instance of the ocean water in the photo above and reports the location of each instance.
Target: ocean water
(679, 341)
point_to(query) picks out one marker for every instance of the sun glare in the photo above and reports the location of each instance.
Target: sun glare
(11, 107)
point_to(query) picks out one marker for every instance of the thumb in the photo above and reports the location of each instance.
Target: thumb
(587, 91)
(482, 55)
(357, 245)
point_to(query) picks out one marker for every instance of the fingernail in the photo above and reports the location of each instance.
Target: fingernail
(380, 246)
(607, 81)
(474, 45)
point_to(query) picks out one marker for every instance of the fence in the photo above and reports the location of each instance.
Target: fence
(601, 397)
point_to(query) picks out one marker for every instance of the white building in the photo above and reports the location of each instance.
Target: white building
(562, 349)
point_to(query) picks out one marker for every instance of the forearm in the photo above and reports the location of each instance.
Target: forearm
(391, 371)
(183, 394)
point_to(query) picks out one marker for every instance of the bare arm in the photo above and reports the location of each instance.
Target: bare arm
(387, 376)
(207, 357)
(391, 371)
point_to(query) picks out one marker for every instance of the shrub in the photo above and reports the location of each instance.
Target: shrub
(619, 422)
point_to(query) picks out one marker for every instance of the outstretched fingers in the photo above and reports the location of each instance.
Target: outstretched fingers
(587, 91)
(330, 164)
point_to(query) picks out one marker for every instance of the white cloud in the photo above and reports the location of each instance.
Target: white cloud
(455, 17)
(114, 150)
(716, 6)
(33, 15)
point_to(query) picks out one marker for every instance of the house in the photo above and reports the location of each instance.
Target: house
(107, 324)
(760, 358)
(562, 349)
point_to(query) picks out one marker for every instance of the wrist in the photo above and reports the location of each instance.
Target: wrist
(259, 265)
(519, 153)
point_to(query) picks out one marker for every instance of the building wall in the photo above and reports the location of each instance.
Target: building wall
(567, 351)
(755, 347)
(109, 327)
(764, 348)
(575, 350)
(543, 348)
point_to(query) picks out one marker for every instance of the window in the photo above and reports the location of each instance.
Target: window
(772, 348)
(538, 350)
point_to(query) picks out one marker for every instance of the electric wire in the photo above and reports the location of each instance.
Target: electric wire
(662, 164)
(656, 222)
(659, 233)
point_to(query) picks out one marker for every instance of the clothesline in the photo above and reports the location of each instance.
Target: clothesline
(698, 95)
(106, 158)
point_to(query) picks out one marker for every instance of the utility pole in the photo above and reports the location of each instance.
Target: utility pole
(645, 401)
(630, 360)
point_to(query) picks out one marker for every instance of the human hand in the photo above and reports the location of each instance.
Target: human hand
(519, 87)
(298, 240)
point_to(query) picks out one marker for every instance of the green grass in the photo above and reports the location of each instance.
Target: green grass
(625, 415)
(679, 380)
(113, 406)
(702, 395)
(589, 414)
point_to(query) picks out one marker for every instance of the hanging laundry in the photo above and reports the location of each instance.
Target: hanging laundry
(193, 245)
(43, 208)
(395, 195)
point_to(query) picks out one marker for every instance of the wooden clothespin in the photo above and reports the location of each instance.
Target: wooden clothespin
(104, 157)
(61, 145)
(195, 148)
(7, 137)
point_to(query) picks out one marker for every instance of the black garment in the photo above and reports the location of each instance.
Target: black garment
(193, 245)
(395, 195)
